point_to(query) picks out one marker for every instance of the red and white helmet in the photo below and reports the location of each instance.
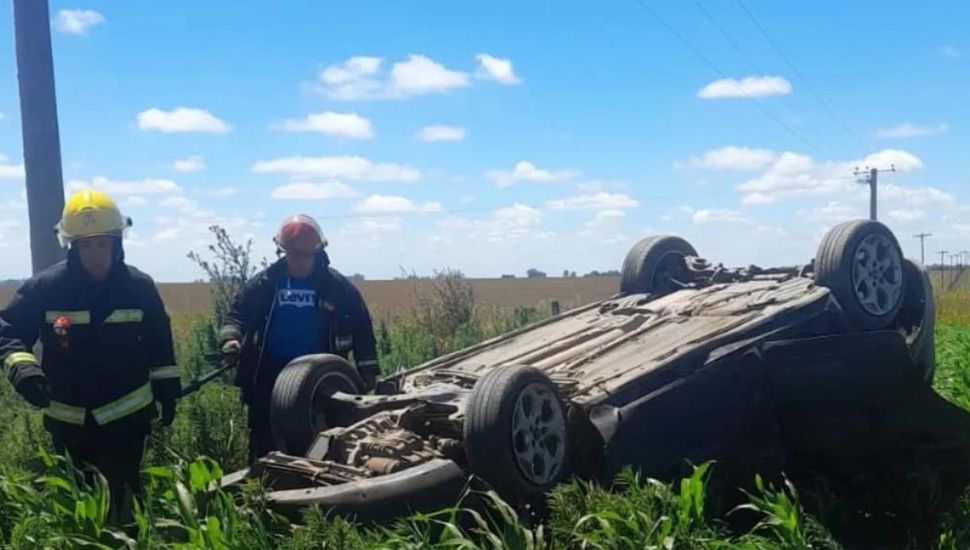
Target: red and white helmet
(300, 233)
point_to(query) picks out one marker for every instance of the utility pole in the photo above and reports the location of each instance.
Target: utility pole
(38, 121)
(943, 269)
(922, 239)
(873, 180)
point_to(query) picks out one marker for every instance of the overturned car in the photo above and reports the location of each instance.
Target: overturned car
(816, 370)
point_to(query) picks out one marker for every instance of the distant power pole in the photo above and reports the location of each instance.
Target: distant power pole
(873, 180)
(943, 269)
(38, 122)
(922, 239)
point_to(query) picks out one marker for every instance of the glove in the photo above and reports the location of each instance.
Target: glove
(35, 391)
(231, 347)
(168, 412)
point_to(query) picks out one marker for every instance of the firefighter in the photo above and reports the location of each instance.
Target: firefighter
(299, 305)
(106, 365)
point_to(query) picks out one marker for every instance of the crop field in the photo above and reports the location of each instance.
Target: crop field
(393, 298)
(45, 507)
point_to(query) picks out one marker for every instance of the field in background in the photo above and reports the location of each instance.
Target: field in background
(395, 298)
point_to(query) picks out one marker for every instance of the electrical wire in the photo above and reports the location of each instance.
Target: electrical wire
(750, 61)
(700, 55)
(818, 97)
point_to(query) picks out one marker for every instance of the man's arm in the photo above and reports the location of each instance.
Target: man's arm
(365, 346)
(20, 324)
(165, 375)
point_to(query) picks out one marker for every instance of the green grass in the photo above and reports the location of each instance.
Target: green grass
(43, 504)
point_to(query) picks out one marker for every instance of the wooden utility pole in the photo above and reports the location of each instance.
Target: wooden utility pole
(922, 239)
(38, 121)
(942, 269)
(873, 180)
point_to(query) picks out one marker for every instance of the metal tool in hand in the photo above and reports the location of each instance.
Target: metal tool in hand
(228, 361)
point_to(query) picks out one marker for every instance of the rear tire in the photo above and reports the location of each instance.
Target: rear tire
(652, 265)
(860, 261)
(515, 433)
(919, 310)
(300, 394)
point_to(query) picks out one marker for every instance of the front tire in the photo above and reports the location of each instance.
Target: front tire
(515, 432)
(298, 410)
(860, 261)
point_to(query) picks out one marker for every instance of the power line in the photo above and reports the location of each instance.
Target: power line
(791, 65)
(737, 48)
(722, 74)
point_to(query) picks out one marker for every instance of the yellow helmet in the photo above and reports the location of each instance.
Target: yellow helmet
(88, 213)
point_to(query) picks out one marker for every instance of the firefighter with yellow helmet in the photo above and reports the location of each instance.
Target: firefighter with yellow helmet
(107, 363)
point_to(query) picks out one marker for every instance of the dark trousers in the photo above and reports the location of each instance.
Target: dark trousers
(259, 399)
(116, 453)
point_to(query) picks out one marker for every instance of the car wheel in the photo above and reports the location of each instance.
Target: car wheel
(301, 395)
(654, 263)
(919, 312)
(515, 432)
(860, 262)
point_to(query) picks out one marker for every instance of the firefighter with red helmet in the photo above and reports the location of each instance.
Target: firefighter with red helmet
(107, 363)
(297, 306)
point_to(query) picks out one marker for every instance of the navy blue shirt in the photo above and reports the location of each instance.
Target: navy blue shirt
(295, 328)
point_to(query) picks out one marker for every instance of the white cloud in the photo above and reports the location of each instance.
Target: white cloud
(146, 186)
(907, 130)
(831, 213)
(352, 168)
(182, 119)
(361, 78)
(506, 225)
(497, 69)
(604, 218)
(11, 171)
(526, 171)
(134, 201)
(369, 233)
(950, 52)
(389, 204)
(440, 132)
(353, 79)
(752, 86)
(734, 158)
(77, 22)
(421, 75)
(906, 215)
(313, 191)
(189, 164)
(595, 186)
(347, 125)
(597, 201)
(795, 175)
(719, 215)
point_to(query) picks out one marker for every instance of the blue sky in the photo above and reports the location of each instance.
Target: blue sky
(494, 137)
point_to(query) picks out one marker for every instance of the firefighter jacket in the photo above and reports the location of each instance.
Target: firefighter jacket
(344, 316)
(106, 348)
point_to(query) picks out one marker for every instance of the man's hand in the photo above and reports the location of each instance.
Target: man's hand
(35, 391)
(168, 412)
(231, 347)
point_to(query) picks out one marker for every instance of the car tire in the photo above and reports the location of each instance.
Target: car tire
(919, 310)
(298, 403)
(651, 265)
(860, 262)
(509, 410)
